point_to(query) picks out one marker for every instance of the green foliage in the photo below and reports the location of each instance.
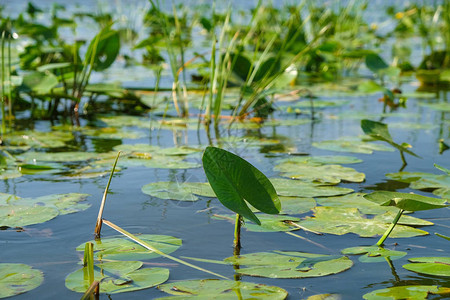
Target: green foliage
(373, 253)
(234, 180)
(435, 266)
(16, 279)
(405, 201)
(407, 292)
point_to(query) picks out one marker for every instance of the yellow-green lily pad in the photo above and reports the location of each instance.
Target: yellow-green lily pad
(416, 292)
(436, 266)
(117, 277)
(351, 144)
(283, 264)
(119, 248)
(221, 289)
(297, 188)
(355, 200)
(373, 253)
(185, 191)
(16, 279)
(24, 215)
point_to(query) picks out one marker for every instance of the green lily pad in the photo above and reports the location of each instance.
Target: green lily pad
(297, 188)
(436, 266)
(339, 221)
(406, 292)
(355, 200)
(62, 156)
(432, 182)
(136, 148)
(409, 177)
(117, 277)
(373, 253)
(321, 103)
(332, 174)
(442, 106)
(322, 160)
(16, 279)
(296, 205)
(271, 223)
(353, 145)
(221, 289)
(405, 201)
(121, 121)
(9, 174)
(38, 139)
(183, 150)
(281, 264)
(325, 297)
(159, 162)
(23, 215)
(185, 191)
(118, 248)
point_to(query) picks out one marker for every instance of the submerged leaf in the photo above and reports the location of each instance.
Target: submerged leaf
(436, 266)
(283, 264)
(16, 279)
(117, 277)
(233, 179)
(221, 289)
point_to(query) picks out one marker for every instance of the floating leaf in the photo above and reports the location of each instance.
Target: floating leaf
(273, 224)
(123, 249)
(38, 139)
(118, 277)
(373, 253)
(325, 297)
(405, 201)
(322, 160)
(332, 174)
(321, 104)
(341, 221)
(178, 191)
(283, 264)
(352, 145)
(296, 205)
(21, 215)
(379, 131)
(406, 292)
(159, 162)
(62, 156)
(9, 174)
(233, 179)
(442, 106)
(221, 289)
(297, 188)
(355, 200)
(436, 266)
(16, 279)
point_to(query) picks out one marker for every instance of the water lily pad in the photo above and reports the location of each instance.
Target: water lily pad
(121, 121)
(118, 248)
(325, 297)
(332, 174)
(436, 266)
(341, 221)
(183, 150)
(321, 103)
(62, 156)
(38, 139)
(355, 200)
(137, 148)
(373, 253)
(23, 215)
(185, 191)
(118, 277)
(159, 162)
(406, 292)
(353, 145)
(322, 160)
(296, 205)
(9, 173)
(270, 223)
(297, 188)
(405, 201)
(442, 106)
(16, 279)
(281, 264)
(221, 289)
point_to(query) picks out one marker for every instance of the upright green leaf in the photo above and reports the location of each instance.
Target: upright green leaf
(234, 180)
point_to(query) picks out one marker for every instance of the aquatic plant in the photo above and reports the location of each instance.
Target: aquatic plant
(235, 181)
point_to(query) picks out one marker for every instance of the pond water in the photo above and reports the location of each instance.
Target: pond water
(338, 110)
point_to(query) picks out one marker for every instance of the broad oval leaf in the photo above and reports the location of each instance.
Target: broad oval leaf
(297, 188)
(24, 215)
(185, 191)
(436, 266)
(405, 201)
(406, 292)
(233, 179)
(118, 277)
(221, 289)
(373, 253)
(119, 248)
(16, 279)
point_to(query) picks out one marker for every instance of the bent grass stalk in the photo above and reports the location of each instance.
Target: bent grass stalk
(153, 249)
(98, 225)
(391, 227)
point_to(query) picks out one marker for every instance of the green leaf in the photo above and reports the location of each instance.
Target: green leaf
(375, 63)
(373, 253)
(118, 248)
(221, 289)
(339, 221)
(178, 191)
(22, 215)
(273, 224)
(441, 168)
(233, 179)
(297, 188)
(38, 82)
(331, 174)
(322, 160)
(353, 145)
(370, 87)
(379, 131)
(436, 266)
(443, 236)
(16, 279)
(442, 106)
(104, 46)
(118, 277)
(355, 200)
(406, 292)
(405, 201)
(283, 264)
(296, 205)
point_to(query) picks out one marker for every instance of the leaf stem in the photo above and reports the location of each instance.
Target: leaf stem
(237, 235)
(391, 227)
